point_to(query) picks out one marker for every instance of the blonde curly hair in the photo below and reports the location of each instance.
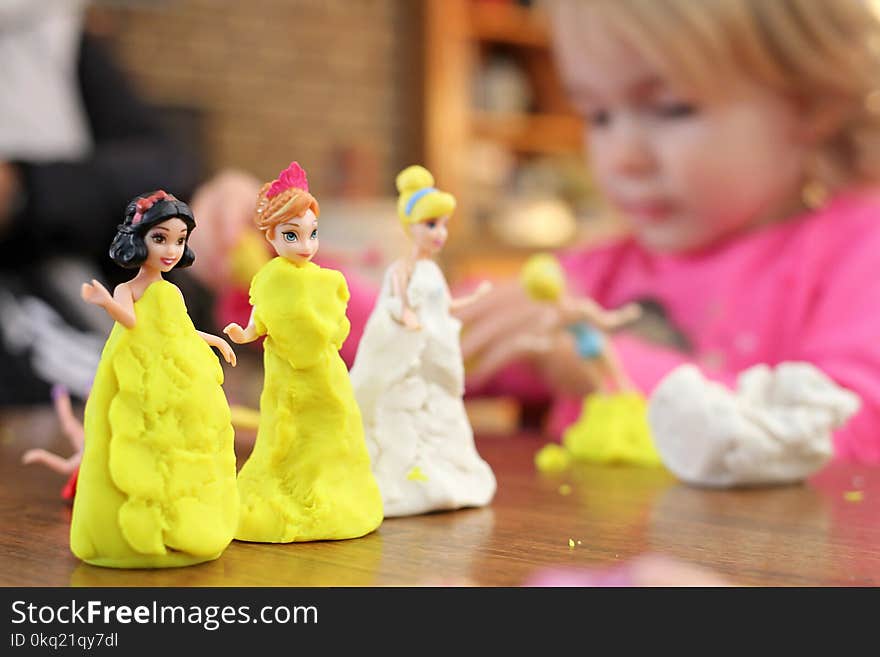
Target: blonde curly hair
(819, 53)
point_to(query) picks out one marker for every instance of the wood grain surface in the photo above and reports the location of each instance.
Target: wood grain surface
(825, 532)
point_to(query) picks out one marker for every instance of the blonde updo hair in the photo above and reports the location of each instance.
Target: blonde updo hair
(288, 204)
(429, 204)
(816, 52)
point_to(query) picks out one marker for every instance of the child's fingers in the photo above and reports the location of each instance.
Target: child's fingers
(564, 369)
(499, 326)
(497, 357)
(501, 296)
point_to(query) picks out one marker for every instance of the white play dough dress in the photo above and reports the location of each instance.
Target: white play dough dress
(409, 386)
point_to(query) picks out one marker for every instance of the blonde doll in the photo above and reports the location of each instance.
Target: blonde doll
(613, 425)
(408, 375)
(308, 477)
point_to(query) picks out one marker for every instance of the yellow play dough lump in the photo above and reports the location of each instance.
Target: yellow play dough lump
(156, 485)
(613, 429)
(247, 257)
(308, 477)
(552, 458)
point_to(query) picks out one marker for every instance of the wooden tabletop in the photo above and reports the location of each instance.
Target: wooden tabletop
(825, 532)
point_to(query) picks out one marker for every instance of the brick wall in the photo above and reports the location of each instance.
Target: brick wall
(335, 84)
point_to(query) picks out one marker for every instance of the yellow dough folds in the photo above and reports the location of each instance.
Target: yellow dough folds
(156, 485)
(308, 477)
(613, 429)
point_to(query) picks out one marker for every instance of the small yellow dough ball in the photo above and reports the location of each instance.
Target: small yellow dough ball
(543, 278)
(552, 458)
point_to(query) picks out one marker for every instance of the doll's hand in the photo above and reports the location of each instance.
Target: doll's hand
(35, 456)
(96, 293)
(55, 462)
(410, 320)
(226, 351)
(235, 333)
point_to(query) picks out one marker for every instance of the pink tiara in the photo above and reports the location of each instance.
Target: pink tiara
(147, 202)
(293, 177)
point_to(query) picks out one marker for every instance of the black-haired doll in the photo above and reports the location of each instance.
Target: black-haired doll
(157, 485)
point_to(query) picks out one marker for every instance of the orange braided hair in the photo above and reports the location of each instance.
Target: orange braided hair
(284, 199)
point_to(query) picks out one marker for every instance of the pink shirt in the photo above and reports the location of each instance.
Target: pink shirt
(807, 289)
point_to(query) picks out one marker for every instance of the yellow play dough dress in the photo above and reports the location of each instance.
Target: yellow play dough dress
(613, 428)
(309, 475)
(157, 485)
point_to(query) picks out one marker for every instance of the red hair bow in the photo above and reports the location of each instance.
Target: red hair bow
(146, 203)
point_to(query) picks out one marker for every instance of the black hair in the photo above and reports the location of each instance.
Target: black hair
(128, 248)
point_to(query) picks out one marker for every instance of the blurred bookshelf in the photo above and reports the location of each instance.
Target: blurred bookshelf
(501, 135)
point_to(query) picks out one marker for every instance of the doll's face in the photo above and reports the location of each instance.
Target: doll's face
(296, 239)
(166, 243)
(430, 235)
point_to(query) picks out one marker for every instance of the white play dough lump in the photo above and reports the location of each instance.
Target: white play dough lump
(775, 428)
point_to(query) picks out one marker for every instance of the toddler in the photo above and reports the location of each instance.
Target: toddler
(740, 140)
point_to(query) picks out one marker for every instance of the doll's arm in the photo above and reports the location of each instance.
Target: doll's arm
(72, 428)
(70, 425)
(242, 335)
(461, 302)
(52, 461)
(585, 309)
(399, 284)
(120, 306)
(221, 345)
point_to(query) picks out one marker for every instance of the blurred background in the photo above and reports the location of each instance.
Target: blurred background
(357, 90)
(118, 97)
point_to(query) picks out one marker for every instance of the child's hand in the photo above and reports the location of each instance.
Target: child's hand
(506, 326)
(96, 293)
(483, 289)
(235, 333)
(628, 313)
